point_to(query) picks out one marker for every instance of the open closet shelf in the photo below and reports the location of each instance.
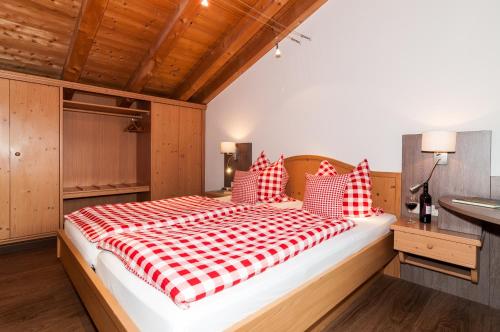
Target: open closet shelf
(104, 190)
(78, 106)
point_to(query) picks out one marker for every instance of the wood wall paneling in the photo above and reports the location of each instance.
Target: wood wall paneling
(190, 151)
(34, 140)
(4, 161)
(467, 173)
(494, 233)
(164, 151)
(97, 150)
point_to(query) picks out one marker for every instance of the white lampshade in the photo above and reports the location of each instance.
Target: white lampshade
(227, 147)
(439, 141)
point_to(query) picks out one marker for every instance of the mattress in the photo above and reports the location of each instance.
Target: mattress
(89, 250)
(152, 310)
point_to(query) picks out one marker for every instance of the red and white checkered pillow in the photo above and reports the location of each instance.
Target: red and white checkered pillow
(245, 186)
(357, 196)
(273, 179)
(324, 195)
(260, 164)
(325, 168)
(271, 182)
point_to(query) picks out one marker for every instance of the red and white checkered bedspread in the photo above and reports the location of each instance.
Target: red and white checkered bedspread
(100, 221)
(191, 261)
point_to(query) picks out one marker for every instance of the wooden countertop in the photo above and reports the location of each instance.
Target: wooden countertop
(476, 212)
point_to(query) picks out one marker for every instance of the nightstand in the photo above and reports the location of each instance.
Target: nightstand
(427, 246)
(217, 193)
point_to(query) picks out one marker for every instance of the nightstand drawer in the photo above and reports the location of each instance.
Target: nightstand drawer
(439, 249)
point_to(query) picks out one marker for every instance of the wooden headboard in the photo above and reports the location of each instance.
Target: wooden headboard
(386, 186)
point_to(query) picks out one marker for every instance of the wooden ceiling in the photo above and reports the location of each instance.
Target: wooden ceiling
(171, 48)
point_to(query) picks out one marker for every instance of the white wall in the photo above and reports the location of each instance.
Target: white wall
(376, 69)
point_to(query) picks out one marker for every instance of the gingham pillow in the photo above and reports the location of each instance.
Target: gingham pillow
(324, 195)
(260, 164)
(325, 168)
(245, 186)
(357, 197)
(271, 182)
(358, 194)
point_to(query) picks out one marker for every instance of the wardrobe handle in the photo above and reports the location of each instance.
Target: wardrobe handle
(17, 154)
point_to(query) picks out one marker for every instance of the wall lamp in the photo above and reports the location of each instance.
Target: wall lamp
(229, 151)
(440, 143)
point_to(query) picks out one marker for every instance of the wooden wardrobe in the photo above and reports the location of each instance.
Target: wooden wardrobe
(67, 145)
(29, 160)
(177, 151)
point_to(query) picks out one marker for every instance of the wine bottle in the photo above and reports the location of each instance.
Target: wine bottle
(425, 205)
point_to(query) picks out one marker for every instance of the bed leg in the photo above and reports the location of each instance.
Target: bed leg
(393, 269)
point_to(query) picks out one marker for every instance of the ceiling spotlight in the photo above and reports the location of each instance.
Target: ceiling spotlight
(277, 54)
(204, 3)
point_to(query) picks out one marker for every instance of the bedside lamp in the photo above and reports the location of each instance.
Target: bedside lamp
(229, 151)
(441, 143)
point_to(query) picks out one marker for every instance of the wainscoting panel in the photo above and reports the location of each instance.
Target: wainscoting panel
(468, 173)
(494, 231)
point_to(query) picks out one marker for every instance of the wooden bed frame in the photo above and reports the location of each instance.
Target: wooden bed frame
(309, 305)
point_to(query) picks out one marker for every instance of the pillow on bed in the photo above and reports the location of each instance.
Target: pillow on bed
(245, 186)
(324, 195)
(325, 168)
(357, 196)
(260, 164)
(272, 179)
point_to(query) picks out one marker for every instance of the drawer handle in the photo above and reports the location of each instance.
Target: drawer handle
(17, 154)
(429, 246)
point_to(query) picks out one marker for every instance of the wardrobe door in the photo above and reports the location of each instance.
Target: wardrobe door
(191, 151)
(164, 151)
(34, 159)
(4, 160)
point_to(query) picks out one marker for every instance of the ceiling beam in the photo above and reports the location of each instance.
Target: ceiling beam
(291, 16)
(89, 21)
(227, 47)
(175, 27)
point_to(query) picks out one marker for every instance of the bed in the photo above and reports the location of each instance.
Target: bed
(89, 250)
(321, 278)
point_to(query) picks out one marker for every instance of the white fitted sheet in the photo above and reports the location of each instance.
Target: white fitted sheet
(152, 310)
(89, 250)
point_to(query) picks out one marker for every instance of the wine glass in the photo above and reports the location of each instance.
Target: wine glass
(411, 203)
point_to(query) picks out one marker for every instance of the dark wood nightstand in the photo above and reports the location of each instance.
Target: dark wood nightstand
(217, 193)
(429, 247)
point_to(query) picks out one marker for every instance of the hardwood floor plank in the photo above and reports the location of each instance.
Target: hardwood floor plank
(397, 305)
(36, 294)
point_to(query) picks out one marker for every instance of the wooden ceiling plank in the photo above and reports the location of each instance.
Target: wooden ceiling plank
(89, 20)
(291, 16)
(175, 27)
(227, 47)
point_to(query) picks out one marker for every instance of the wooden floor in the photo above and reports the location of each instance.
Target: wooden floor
(36, 295)
(390, 304)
